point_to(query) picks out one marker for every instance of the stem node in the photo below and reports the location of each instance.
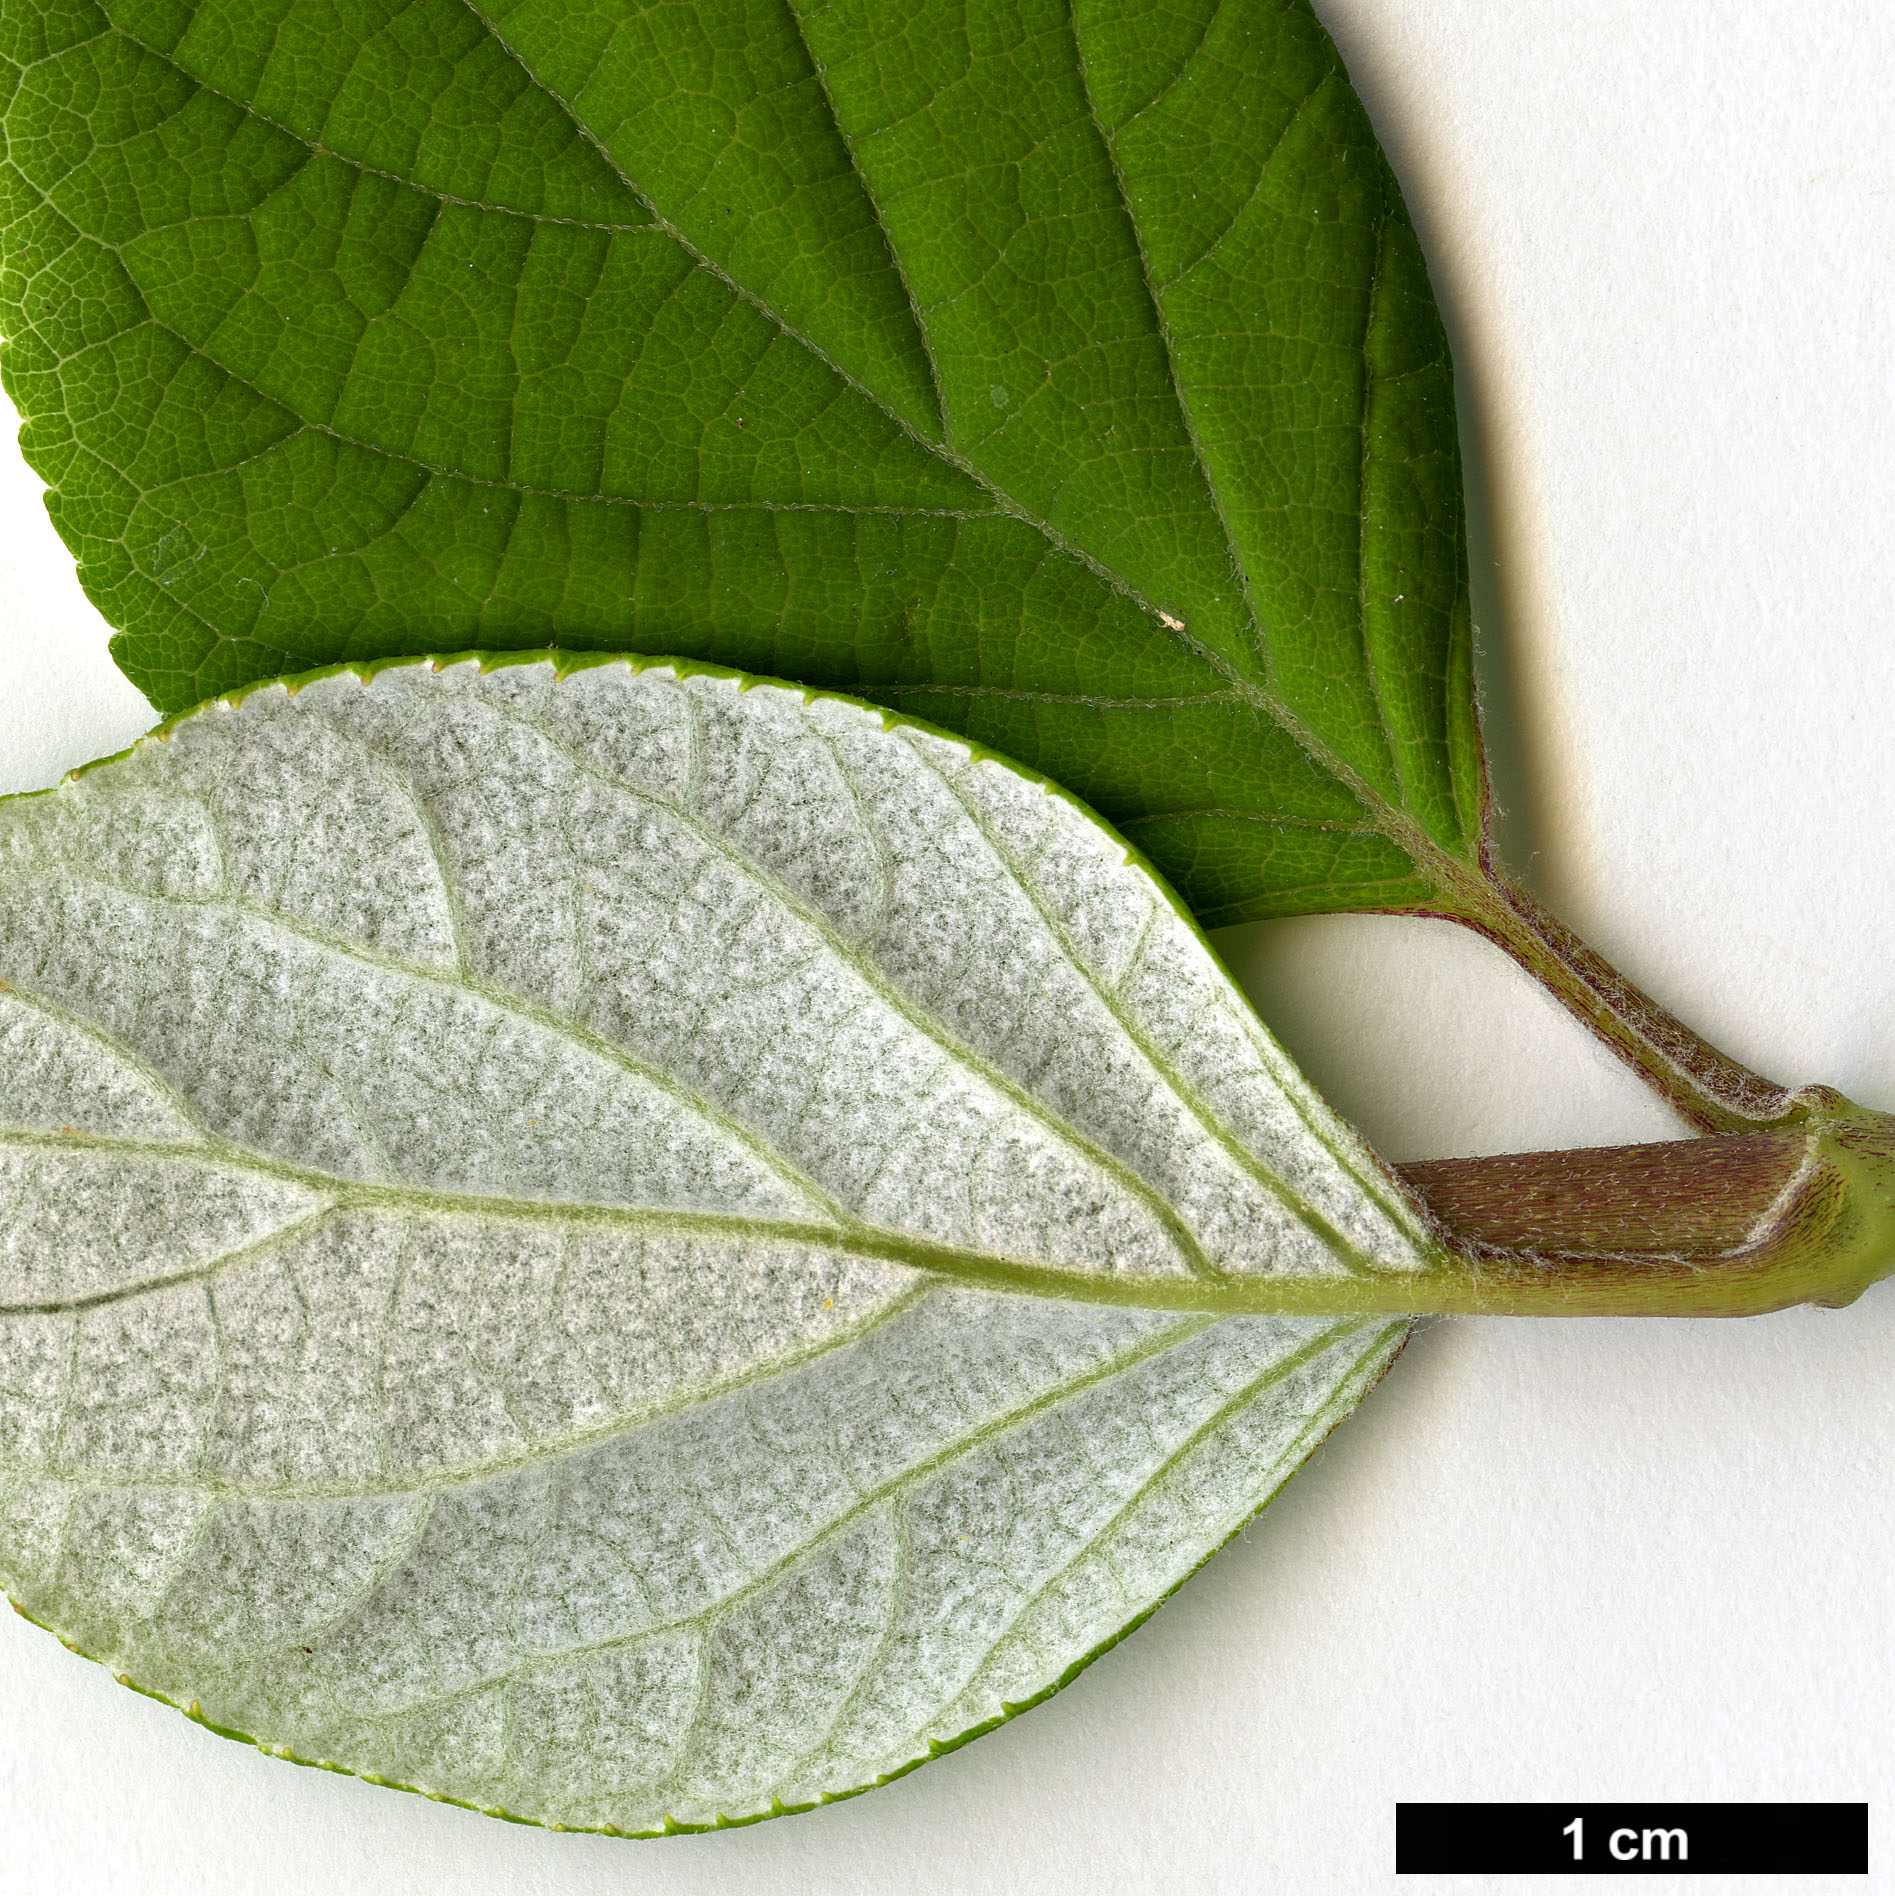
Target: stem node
(1731, 1225)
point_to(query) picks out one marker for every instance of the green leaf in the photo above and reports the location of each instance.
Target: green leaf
(627, 1249)
(1066, 375)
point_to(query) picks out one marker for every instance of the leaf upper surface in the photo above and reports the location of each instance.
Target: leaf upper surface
(628, 1249)
(1065, 375)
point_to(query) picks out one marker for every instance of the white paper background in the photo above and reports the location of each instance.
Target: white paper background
(1547, 1560)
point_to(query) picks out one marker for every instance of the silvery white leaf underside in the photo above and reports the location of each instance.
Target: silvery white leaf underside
(628, 1246)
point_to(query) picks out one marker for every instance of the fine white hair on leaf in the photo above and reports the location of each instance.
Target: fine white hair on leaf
(626, 1245)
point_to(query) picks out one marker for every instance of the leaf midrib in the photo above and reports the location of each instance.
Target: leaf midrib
(1227, 1293)
(955, 1260)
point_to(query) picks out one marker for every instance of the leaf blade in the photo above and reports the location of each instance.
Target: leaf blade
(415, 469)
(632, 1247)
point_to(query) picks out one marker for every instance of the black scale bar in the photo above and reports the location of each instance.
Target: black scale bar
(1632, 1839)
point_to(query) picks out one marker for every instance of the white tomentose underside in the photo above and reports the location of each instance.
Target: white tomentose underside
(577, 1241)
